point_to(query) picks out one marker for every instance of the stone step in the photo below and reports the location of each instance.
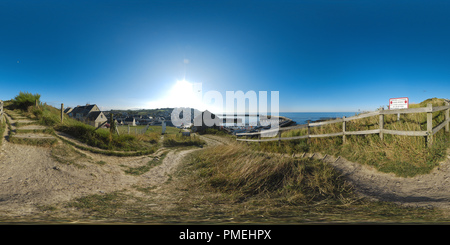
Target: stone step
(31, 127)
(34, 136)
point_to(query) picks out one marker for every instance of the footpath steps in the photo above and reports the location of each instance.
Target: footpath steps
(24, 130)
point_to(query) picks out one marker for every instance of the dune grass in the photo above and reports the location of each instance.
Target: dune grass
(173, 140)
(2, 128)
(402, 155)
(100, 138)
(238, 170)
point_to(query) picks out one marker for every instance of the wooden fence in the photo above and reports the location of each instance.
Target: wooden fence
(381, 130)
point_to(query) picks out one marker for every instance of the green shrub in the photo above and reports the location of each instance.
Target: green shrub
(23, 100)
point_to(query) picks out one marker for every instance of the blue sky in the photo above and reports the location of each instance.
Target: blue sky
(336, 55)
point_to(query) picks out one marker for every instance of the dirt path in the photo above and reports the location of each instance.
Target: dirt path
(159, 174)
(30, 177)
(430, 190)
(33, 176)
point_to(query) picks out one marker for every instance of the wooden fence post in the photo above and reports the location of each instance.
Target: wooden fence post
(117, 130)
(309, 132)
(381, 123)
(259, 136)
(344, 138)
(62, 112)
(430, 124)
(447, 112)
(279, 137)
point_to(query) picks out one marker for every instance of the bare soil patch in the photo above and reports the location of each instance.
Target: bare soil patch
(430, 190)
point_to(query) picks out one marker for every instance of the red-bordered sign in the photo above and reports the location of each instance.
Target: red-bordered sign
(399, 103)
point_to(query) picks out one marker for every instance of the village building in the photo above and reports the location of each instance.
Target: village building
(129, 121)
(89, 114)
(95, 118)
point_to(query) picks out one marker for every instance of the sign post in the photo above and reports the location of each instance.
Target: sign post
(163, 124)
(398, 103)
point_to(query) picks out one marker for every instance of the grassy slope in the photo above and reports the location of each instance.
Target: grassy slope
(261, 187)
(401, 155)
(236, 184)
(233, 184)
(101, 138)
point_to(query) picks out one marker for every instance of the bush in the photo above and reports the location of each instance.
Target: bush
(24, 100)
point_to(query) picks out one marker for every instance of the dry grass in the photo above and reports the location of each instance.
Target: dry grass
(237, 170)
(401, 155)
(173, 140)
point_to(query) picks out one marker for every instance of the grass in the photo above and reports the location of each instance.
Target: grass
(233, 184)
(239, 171)
(146, 167)
(67, 155)
(405, 156)
(2, 129)
(42, 131)
(111, 152)
(234, 181)
(155, 129)
(101, 140)
(174, 140)
(43, 142)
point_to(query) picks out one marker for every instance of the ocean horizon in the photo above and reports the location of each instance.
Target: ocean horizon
(303, 117)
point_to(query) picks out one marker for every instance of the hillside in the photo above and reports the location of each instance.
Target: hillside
(401, 155)
(224, 182)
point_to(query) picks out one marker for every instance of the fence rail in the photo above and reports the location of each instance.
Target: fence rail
(381, 130)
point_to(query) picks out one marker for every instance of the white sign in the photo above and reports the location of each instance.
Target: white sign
(398, 103)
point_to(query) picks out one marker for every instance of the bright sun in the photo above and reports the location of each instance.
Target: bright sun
(181, 94)
(181, 91)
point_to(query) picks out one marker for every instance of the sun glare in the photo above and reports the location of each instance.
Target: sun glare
(181, 94)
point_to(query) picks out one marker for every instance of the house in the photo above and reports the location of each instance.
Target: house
(68, 110)
(89, 114)
(129, 121)
(80, 112)
(95, 118)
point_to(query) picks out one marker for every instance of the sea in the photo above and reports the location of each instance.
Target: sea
(301, 117)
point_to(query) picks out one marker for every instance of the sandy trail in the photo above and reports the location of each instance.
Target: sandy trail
(429, 190)
(31, 176)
